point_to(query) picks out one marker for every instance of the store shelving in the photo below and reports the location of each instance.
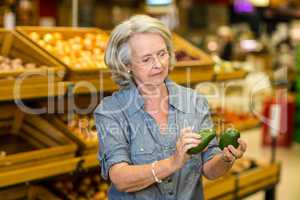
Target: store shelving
(185, 72)
(226, 76)
(29, 146)
(44, 79)
(30, 91)
(38, 171)
(24, 191)
(235, 185)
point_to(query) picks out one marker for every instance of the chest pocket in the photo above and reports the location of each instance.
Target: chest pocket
(142, 147)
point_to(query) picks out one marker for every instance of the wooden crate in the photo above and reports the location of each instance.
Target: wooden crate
(222, 188)
(265, 175)
(243, 181)
(27, 192)
(224, 76)
(74, 74)
(14, 45)
(30, 146)
(204, 60)
(191, 71)
(29, 91)
(86, 147)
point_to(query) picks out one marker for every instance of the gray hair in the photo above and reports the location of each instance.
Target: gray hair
(118, 54)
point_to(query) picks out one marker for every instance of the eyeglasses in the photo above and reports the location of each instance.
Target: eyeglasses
(151, 60)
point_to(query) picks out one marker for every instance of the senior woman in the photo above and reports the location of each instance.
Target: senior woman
(146, 128)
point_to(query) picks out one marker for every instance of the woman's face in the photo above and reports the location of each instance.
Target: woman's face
(149, 59)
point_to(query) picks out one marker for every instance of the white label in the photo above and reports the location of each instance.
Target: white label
(275, 111)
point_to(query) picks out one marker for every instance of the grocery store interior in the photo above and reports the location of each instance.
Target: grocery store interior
(242, 55)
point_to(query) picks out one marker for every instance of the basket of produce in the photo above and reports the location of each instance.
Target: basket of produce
(81, 129)
(246, 177)
(255, 175)
(81, 50)
(192, 64)
(19, 59)
(30, 192)
(83, 186)
(31, 148)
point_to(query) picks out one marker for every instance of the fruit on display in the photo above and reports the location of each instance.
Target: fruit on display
(238, 120)
(89, 187)
(16, 64)
(229, 137)
(224, 66)
(206, 136)
(83, 127)
(182, 55)
(242, 165)
(77, 52)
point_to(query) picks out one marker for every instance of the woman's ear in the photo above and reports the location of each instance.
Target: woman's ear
(128, 68)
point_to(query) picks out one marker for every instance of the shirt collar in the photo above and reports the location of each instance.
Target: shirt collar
(179, 97)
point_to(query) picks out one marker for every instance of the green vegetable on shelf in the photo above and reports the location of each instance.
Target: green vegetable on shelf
(229, 137)
(206, 136)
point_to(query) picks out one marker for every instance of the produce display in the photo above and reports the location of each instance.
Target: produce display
(16, 64)
(83, 127)
(88, 187)
(229, 137)
(182, 55)
(206, 137)
(77, 52)
(242, 165)
(224, 118)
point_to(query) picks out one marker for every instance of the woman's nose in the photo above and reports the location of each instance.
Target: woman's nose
(157, 62)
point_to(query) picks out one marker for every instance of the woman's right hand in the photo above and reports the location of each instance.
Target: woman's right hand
(187, 140)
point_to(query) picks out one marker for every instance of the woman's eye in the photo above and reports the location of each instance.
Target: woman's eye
(145, 60)
(162, 54)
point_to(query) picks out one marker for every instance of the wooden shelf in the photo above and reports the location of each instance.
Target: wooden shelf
(247, 124)
(29, 91)
(191, 74)
(222, 76)
(35, 172)
(244, 184)
(220, 187)
(90, 161)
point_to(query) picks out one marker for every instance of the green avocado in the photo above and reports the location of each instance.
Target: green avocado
(229, 137)
(206, 136)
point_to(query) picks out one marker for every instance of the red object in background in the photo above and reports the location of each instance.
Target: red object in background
(47, 8)
(286, 127)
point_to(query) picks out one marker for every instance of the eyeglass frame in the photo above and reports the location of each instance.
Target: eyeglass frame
(153, 59)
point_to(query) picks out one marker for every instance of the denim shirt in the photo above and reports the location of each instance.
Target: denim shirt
(129, 134)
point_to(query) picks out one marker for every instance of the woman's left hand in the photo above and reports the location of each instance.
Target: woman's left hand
(230, 154)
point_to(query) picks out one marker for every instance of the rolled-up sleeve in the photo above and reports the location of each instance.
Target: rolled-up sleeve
(205, 123)
(113, 145)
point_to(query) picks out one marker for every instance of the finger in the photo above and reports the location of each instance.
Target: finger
(235, 152)
(243, 145)
(188, 146)
(228, 154)
(186, 141)
(192, 135)
(180, 144)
